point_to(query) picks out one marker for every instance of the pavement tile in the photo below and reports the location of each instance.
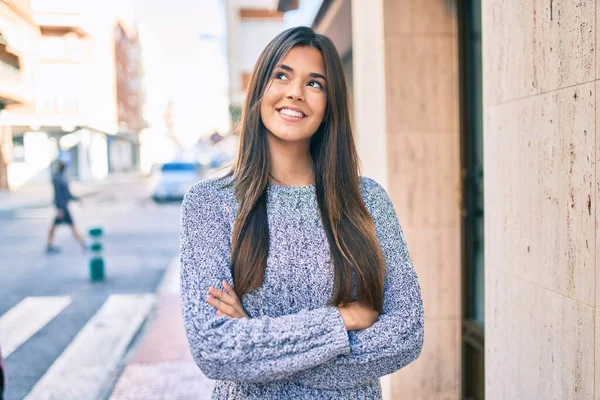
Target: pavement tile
(165, 339)
(171, 380)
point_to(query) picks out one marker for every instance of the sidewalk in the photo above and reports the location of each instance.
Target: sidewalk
(161, 366)
(39, 194)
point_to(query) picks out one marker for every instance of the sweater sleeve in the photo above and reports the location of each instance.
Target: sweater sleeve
(396, 338)
(257, 349)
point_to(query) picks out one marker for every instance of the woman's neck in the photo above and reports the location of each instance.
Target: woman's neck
(291, 162)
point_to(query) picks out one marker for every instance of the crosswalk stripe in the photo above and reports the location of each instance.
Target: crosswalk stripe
(22, 321)
(88, 366)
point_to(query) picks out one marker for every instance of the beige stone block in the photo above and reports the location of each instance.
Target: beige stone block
(369, 97)
(452, 394)
(597, 55)
(422, 80)
(436, 373)
(434, 16)
(424, 178)
(537, 342)
(597, 351)
(435, 253)
(597, 209)
(539, 190)
(420, 16)
(535, 47)
(397, 16)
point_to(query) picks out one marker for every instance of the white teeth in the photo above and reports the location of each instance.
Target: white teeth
(291, 113)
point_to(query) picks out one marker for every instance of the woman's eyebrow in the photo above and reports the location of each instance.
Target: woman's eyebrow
(290, 69)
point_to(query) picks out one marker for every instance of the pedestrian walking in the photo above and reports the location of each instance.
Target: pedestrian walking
(296, 281)
(62, 197)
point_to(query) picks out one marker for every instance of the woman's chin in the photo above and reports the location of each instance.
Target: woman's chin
(290, 136)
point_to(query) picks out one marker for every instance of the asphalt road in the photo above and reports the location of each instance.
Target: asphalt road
(140, 240)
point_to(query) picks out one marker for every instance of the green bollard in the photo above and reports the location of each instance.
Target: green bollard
(96, 258)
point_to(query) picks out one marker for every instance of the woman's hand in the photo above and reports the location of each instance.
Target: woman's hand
(226, 302)
(357, 316)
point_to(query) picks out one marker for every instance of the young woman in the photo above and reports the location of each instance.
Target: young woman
(296, 281)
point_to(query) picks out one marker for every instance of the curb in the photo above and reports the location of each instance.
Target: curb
(161, 366)
(169, 283)
(165, 286)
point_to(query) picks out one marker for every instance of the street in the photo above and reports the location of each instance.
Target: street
(62, 325)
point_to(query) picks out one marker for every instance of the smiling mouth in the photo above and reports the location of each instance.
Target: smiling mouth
(291, 113)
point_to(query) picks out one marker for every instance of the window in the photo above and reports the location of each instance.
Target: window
(18, 151)
(472, 216)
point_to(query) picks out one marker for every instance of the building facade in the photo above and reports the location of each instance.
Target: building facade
(84, 81)
(540, 74)
(480, 120)
(124, 148)
(18, 33)
(130, 73)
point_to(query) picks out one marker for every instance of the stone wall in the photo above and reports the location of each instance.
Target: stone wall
(540, 108)
(407, 116)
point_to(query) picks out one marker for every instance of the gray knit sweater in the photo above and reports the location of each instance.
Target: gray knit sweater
(293, 346)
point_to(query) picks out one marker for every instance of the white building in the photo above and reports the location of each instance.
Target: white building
(251, 24)
(18, 34)
(74, 101)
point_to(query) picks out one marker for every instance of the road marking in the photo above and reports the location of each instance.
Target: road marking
(170, 281)
(89, 365)
(22, 321)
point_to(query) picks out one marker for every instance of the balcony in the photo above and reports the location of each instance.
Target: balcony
(60, 16)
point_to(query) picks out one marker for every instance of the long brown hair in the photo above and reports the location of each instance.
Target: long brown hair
(353, 244)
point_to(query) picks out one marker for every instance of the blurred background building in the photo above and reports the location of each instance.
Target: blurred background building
(18, 35)
(123, 148)
(78, 80)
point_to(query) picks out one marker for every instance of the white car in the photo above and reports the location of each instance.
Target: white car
(174, 179)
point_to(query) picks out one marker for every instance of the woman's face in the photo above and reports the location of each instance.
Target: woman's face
(294, 104)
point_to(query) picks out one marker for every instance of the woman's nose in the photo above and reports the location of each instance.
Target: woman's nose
(295, 93)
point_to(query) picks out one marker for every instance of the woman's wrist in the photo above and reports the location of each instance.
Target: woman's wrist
(346, 318)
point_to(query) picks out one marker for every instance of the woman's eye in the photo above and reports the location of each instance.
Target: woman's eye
(281, 75)
(315, 84)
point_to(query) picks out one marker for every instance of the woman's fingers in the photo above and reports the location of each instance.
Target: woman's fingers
(221, 306)
(226, 302)
(223, 296)
(230, 289)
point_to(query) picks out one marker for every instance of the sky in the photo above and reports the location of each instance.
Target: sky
(185, 55)
(184, 50)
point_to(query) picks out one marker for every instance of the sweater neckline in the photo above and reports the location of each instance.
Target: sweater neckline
(292, 188)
